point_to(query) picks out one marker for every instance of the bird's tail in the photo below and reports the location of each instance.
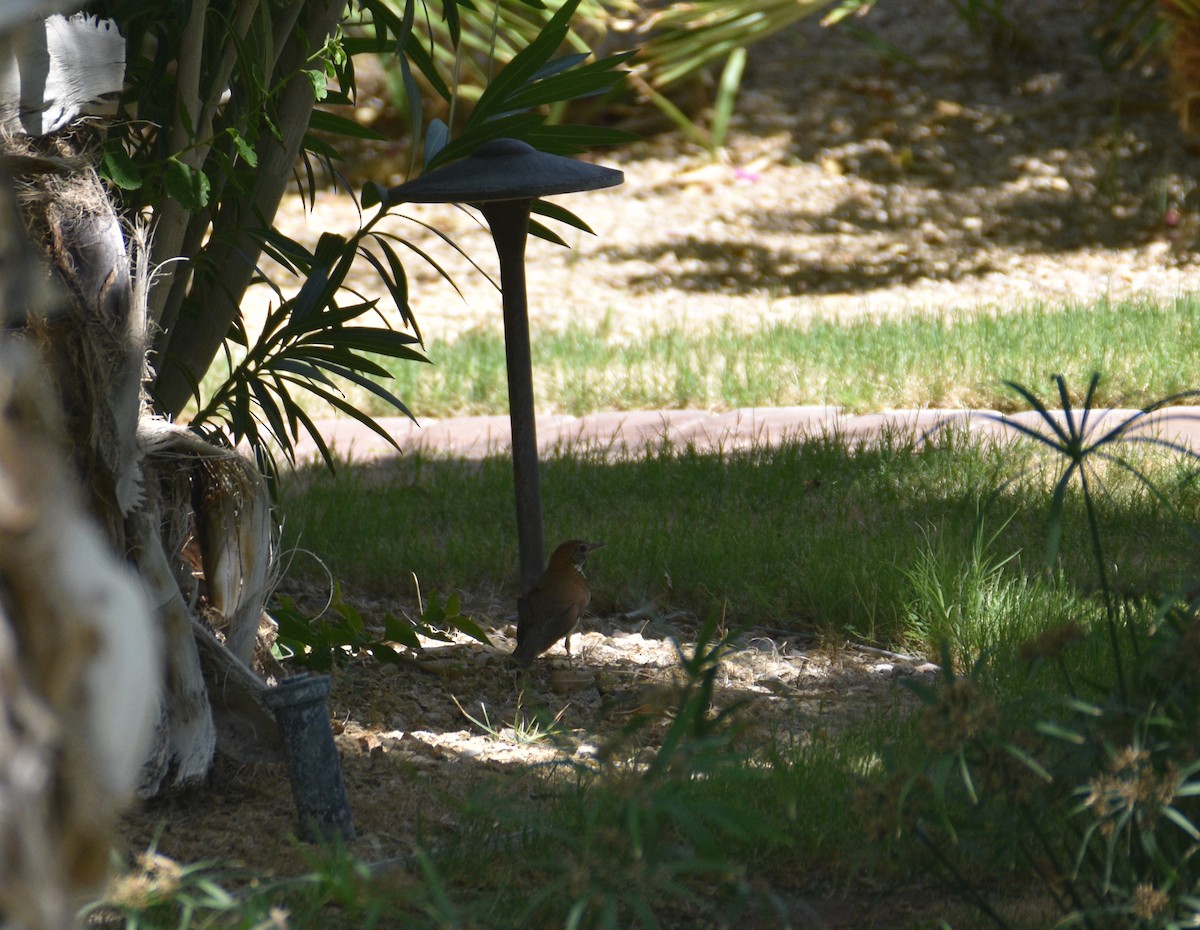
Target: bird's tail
(523, 654)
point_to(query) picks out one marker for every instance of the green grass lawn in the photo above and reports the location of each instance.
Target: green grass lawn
(1143, 348)
(888, 545)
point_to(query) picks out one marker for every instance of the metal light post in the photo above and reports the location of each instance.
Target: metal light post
(503, 178)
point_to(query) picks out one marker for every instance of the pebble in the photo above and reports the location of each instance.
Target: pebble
(569, 681)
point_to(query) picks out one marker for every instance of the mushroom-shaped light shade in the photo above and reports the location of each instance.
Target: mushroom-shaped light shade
(504, 169)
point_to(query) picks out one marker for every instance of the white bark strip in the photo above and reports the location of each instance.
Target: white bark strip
(191, 734)
(58, 69)
(236, 533)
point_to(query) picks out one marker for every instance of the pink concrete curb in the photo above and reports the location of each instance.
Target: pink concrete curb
(621, 433)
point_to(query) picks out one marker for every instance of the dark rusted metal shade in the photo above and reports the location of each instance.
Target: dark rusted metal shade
(505, 169)
(503, 178)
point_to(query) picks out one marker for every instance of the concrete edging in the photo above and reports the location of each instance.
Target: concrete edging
(627, 432)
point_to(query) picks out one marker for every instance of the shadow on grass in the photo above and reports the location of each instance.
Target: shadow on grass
(807, 537)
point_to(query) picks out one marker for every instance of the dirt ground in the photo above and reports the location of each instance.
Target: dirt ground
(979, 175)
(956, 174)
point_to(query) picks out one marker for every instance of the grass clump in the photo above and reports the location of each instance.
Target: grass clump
(1084, 773)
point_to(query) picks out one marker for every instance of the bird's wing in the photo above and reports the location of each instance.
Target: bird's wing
(543, 618)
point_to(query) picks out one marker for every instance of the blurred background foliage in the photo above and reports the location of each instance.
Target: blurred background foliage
(691, 54)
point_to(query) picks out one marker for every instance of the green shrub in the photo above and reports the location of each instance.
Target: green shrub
(1085, 770)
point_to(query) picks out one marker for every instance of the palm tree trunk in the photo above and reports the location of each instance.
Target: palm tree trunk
(192, 518)
(79, 650)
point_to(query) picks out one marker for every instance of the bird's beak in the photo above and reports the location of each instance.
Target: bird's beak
(592, 547)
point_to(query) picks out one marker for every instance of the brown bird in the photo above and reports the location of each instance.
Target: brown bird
(551, 609)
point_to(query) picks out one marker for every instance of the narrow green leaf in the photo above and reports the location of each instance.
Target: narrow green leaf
(377, 389)
(1177, 818)
(316, 145)
(335, 124)
(290, 412)
(1018, 427)
(453, 22)
(403, 26)
(1054, 526)
(436, 137)
(512, 125)
(555, 212)
(318, 440)
(326, 357)
(433, 263)
(301, 368)
(1049, 728)
(288, 252)
(1029, 762)
(416, 102)
(312, 296)
(398, 287)
(586, 81)
(331, 318)
(419, 56)
(340, 271)
(398, 292)
(967, 780)
(241, 419)
(525, 65)
(727, 89)
(570, 139)
(1087, 708)
(389, 342)
(1088, 400)
(543, 232)
(1036, 402)
(1064, 399)
(269, 408)
(559, 65)
(576, 914)
(354, 413)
